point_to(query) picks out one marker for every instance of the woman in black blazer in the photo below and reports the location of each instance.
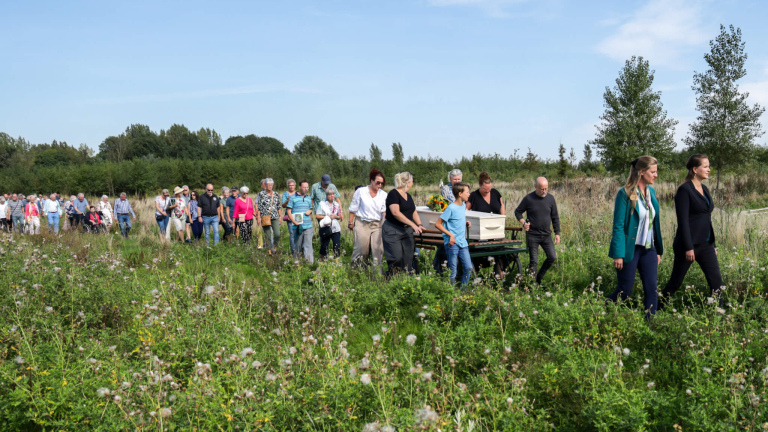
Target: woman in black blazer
(695, 238)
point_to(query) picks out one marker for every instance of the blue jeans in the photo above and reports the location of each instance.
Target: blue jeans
(454, 254)
(53, 221)
(163, 224)
(291, 238)
(646, 262)
(124, 221)
(208, 222)
(18, 223)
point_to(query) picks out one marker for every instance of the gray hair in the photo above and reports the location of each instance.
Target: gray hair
(224, 189)
(185, 186)
(269, 181)
(453, 173)
(123, 193)
(2, 199)
(72, 197)
(244, 189)
(166, 191)
(289, 182)
(104, 196)
(81, 195)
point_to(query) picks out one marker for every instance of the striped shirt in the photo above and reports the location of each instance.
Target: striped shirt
(123, 207)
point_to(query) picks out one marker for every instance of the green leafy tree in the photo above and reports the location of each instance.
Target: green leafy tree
(184, 144)
(375, 153)
(726, 127)
(312, 145)
(397, 153)
(562, 162)
(145, 142)
(251, 145)
(116, 148)
(634, 122)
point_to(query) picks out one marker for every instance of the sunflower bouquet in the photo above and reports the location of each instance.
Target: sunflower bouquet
(437, 203)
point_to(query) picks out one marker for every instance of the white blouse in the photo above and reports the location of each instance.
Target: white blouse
(366, 207)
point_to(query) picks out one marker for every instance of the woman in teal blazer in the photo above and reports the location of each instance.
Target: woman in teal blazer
(636, 243)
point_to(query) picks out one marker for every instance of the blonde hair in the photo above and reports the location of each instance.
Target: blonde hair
(639, 165)
(402, 179)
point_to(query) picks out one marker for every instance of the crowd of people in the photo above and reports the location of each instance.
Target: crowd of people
(384, 224)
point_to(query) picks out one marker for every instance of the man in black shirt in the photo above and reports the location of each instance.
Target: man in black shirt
(541, 210)
(208, 207)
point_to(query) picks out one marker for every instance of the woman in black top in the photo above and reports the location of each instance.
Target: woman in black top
(695, 238)
(400, 223)
(486, 199)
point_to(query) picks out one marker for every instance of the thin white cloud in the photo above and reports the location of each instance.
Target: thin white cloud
(661, 31)
(494, 8)
(195, 94)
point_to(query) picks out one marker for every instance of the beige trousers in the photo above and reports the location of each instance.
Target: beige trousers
(367, 235)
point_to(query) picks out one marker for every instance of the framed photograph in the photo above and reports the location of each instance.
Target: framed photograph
(299, 218)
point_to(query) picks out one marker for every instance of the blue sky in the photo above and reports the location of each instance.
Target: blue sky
(446, 78)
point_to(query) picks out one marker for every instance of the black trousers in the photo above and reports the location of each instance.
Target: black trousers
(326, 239)
(546, 243)
(398, 247)
(707, 259)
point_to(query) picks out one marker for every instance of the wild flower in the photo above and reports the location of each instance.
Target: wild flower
(509, 401)
(651, 385)
(426, 376)
(19, 360)
(117, 399)
(247, 351)
(165, 412)
(125, 385)
(410, 339)
(352, 372)
(371, 427)
(387, 428)
(365, 379)
(422, 315)
(48, 309)
(507, 350)
(426, 415)
(707, 370)
(209, 290)
(376, 338)
(626, 351)
(270, 376)
(102, 392)
(688, 392)
(487, 351)
(292, 350)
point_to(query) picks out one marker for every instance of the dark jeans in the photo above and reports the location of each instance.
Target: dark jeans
(325, 240)
(197, 229)
(647, 262)
(398, 247)
(76, 220)
(546, 243)
(706, 257)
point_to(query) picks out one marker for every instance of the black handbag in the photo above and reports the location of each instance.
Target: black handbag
(326, 232)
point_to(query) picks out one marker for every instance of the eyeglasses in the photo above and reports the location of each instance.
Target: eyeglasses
(380, 183)
(209, 190)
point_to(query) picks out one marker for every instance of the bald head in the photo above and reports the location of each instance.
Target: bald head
(542, 186)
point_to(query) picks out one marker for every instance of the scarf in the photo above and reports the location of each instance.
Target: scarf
(648, 220)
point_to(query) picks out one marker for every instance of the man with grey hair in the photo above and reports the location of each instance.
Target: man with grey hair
(52, 210)
(208, 209)
(123, 211)
(15, 213)
(541, 210)
(81, 206)
(454, 177)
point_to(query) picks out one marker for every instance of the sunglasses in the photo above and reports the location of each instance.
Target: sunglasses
(380, 183)
(209, 190)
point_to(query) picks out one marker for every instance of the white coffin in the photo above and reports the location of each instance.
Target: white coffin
(485, 226)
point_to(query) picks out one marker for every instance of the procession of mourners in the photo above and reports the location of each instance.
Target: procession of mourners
(387, 226)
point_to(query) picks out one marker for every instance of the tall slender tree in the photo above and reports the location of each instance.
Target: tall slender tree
(634, 122)
(726, 126)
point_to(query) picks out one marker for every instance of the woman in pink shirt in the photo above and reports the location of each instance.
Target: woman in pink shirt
(32, 214)
(244, 214)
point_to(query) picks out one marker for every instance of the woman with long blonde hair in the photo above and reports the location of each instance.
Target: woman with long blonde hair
(636, 243)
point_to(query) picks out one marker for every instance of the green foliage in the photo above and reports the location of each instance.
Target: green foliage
(562, 162)
(251, 145)
(727, 126)
(375, 153)
(314, 146)
(634, 122)
(397, 153)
